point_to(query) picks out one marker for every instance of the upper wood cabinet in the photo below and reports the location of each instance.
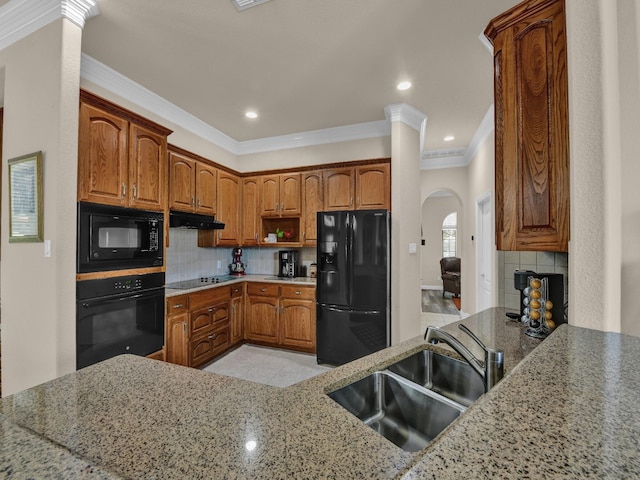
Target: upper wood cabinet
(280, 195)
(531, 126)
(122, 157)
(250, 211)
(312, 203)
(365, 187)
(192, 184)
(229, 191)
(373, 187)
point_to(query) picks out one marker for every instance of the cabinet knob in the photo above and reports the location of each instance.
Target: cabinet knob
(212, 336)
(135, 191)
(193, 201)
(184, 326)
(277, 207)
(282, 207)
(124, 190)
(263, 289)
(199, 203)
(212, 309)
(178, 305)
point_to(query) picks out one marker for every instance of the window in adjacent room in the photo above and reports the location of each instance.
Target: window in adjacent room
(449, 231)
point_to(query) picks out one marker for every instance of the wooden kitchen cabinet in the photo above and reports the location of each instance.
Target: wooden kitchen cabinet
(261, 313)
(177, 330)
(198, 326)
(531, 126)
(338, 189)
(312, 203)
(298, 317)
(236, 314)
(281, 316)
(122, 157)
(192, 184)
(373, 187)
(280, 195)
(364, 187)
(250, 211)
(228, 201)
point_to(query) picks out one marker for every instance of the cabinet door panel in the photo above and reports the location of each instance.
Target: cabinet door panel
(270, 195)
(531, 119)
(338, 189)
(228, 209)
(290, 194)
(177, 349)
(201, 320)
(102, 157)
(236, 320)
(181, 183)
(373, 187)
(298, 323)
(311, 205)
(250, 211)
(262, 319)
(205, 189)
(147, 168)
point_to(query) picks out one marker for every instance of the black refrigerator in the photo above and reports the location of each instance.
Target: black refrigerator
(354, 284)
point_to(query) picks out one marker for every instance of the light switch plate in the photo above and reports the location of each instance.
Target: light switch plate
(413, 248)
(47, 248)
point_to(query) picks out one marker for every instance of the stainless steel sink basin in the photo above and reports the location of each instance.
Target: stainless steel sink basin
(405, 413)
(447, 376)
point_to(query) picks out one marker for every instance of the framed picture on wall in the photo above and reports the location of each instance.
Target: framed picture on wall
(25, 199)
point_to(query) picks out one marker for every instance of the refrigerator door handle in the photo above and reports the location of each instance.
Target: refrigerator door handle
(337, 308)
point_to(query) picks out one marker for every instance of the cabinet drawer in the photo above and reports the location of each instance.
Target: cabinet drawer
(207, 346)
(263, 289)
(296, 291)
(208, 317)
(205, 298)
(236, 289)
(177, 305)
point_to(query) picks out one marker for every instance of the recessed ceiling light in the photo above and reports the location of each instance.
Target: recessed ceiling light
(251, 114)
(448, 138)
(404, 85)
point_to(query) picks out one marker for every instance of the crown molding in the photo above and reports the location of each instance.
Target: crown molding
(113, 81)
(20, 18)
(359, 131)
(108, 78)
(401, 112)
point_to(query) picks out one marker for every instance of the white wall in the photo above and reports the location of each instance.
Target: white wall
(434, 210)
(38, 294)
(629, 48)
(405, 230)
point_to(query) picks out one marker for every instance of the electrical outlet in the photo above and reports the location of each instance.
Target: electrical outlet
(219, 264)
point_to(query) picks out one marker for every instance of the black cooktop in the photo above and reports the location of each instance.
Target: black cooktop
(200, 282)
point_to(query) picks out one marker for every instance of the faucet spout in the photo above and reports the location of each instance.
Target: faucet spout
(491, 371)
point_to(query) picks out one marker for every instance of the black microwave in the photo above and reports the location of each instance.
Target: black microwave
(117, 238)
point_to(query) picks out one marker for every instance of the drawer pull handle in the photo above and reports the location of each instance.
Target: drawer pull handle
(212, 336)
(178, 305)
(263, 289)
(298, 292)
(212, 309)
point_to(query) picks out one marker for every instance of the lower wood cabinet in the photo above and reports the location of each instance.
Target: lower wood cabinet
(204, 324)
(198, 326)
(281, 315)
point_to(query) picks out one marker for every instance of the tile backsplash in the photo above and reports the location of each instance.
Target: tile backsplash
(185, 260)
(539, 262)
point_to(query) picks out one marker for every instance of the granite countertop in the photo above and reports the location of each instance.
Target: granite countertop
(172, 292)
(569, 410)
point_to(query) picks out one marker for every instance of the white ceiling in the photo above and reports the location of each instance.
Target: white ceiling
(305, 64)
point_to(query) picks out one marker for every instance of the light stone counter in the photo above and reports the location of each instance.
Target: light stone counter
(570, 409)
(172, 292)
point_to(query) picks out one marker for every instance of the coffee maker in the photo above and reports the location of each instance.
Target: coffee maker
(555, 293)
(288, 263)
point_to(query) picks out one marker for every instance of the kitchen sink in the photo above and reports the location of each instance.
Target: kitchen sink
(451, 378)
(404, 412)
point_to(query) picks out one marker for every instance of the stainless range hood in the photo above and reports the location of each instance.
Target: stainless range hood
(193, 220)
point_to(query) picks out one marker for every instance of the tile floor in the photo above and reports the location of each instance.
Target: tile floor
(269, 366)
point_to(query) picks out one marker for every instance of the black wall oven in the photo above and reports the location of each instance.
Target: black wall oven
(116, 238)
(119, 315)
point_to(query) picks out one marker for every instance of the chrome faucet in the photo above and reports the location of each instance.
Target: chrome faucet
(493, 368)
